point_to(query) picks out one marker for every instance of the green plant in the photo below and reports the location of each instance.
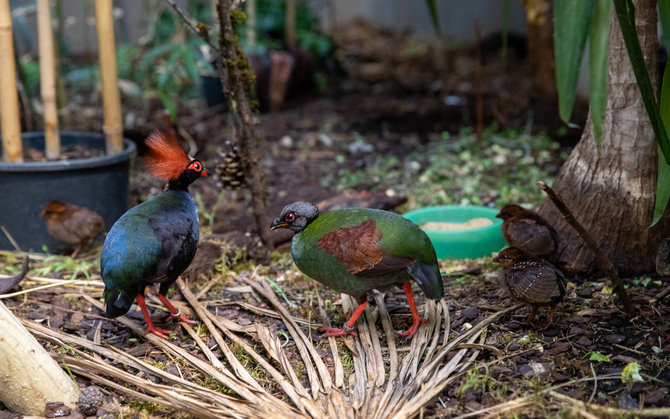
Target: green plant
(56, 264)
(596, 357)
(277, 289)
(575, 22)
(458, 171)
(209, 215)
(631, 374)
(168, 62)
(475, 380)
(270, 24)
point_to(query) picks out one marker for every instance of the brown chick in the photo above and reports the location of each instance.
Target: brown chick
(72, 224)
(663, 258)
(528, 231)
(532, 281)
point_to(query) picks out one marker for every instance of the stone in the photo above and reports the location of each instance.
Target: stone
(470, 313)
(56, 410)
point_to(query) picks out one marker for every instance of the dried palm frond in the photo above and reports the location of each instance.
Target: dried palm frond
(383, 383)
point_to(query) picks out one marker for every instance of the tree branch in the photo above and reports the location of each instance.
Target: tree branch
(237, 78)
(605, 263)
(199, 28)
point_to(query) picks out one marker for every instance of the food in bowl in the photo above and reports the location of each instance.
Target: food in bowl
(444, 225)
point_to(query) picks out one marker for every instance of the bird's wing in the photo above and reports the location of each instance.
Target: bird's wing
(527, 233)
(84, 223)
(178, 245)
(357, 249)
(538, 283)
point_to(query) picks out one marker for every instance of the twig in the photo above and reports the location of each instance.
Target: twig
(595, 383)
(605, 263)
(479, 81)
(198, 28)
(236, 80)
(7, 283)
(611, 411)
(653, 323)
(521, 401)
(41, 287)
(10, 238)
(489, 348)
(660, 295)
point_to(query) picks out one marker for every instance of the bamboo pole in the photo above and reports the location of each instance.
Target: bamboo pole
(251, 24)
(29, 378)
(111, 99)
(12, 150)
(48, 79)
(290, 23)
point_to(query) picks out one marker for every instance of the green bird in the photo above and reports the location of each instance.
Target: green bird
(355, 250)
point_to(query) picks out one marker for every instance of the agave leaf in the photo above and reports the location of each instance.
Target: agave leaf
(432, 10)
(598, 53)
(663, 180)
(571, 27)
(664, 17)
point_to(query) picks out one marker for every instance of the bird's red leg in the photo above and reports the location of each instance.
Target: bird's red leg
(531, 316)
(76, 251)
(175, 313)
(552, 309)
(416, 319)
(150, 326)
(348, 328)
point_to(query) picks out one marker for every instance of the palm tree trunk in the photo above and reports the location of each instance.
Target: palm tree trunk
(611, 189)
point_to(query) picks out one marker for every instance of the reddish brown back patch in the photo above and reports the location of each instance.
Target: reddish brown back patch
(354, 247)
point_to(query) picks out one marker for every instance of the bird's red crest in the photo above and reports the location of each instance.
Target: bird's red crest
(165, 160)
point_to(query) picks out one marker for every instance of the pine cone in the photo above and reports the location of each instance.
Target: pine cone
(90, 400)
(230, 171)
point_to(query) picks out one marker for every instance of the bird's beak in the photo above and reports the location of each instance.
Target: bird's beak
(277, 223)
(43, 213)
(498, 215)
(204, 173)
(496, 259)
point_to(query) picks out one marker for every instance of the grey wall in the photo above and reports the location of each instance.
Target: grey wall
(132, 21)
(456, 16)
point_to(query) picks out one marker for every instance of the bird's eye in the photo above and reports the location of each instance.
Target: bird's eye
(289, 217)
(197, 166)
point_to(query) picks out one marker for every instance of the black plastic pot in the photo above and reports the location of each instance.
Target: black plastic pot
(98, 183)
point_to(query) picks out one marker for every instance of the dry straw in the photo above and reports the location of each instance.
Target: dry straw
(383, 383)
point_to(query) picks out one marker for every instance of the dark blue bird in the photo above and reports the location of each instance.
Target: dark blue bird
(155, 241)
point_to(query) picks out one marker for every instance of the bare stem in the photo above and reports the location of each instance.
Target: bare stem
(234, 72)
(196, 27)
(235, 84)
(605, 263)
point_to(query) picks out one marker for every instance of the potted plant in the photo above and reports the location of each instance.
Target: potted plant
(98, 181)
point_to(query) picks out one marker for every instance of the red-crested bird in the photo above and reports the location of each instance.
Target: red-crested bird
(528, 231)
(155, 241)
(72, 224)
(532, 280)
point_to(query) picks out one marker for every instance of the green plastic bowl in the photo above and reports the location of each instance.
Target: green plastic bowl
(461, 244)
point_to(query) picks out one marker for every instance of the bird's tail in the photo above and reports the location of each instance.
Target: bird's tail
(429, 279)
(116, 303)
